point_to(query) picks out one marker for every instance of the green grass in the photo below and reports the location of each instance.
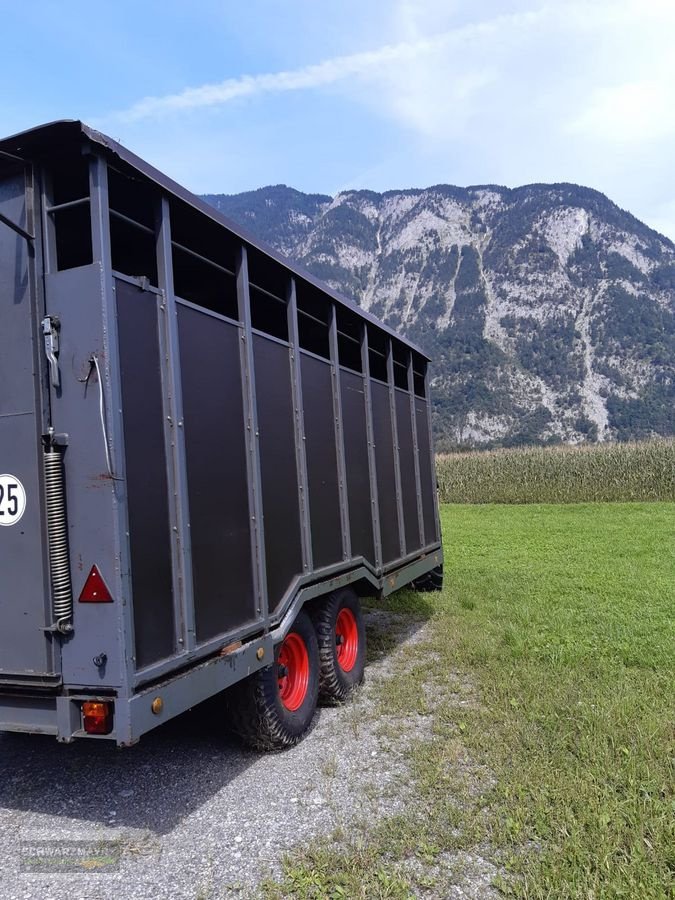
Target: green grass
(572, 635)
(560, 621)
(590, 473)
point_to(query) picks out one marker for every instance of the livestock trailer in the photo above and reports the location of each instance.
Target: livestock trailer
(207, 457)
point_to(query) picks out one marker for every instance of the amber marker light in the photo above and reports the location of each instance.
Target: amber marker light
(97, 717)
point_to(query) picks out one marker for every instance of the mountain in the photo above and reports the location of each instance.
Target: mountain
(549, 312)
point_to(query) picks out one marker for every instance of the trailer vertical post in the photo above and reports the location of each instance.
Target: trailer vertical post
(252, 435)
(175, 438)
(437, 512)
(48, 229)
(112, 394)
(36, 224)
(339, 434)
(418, 480)
(299, 421)
(372, 471)
(394, 433)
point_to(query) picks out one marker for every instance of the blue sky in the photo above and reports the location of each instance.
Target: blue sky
(230, 96)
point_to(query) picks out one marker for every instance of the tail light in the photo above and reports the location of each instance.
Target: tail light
(95, 589)
(97, 717)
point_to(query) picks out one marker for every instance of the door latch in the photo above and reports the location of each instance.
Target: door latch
(50, 329)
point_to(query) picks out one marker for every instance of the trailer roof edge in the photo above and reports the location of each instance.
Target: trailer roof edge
(34, 137)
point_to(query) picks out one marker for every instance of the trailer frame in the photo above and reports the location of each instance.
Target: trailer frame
(148, 686)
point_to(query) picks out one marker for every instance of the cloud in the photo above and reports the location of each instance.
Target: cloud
(506, 91)
(321, 74)
(384, 64)
(631, 88)
(633, 112)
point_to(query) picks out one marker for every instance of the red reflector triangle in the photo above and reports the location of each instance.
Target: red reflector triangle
(95, 589)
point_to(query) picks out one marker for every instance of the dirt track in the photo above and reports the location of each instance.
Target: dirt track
(193, 815)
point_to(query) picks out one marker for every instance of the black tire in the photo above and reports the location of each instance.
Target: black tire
(430, 581)
(336, 682)
(257, 712)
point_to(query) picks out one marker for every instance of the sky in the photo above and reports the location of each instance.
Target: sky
(379, 94)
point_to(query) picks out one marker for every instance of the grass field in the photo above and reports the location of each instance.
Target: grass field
(589, 473)
(562, 770)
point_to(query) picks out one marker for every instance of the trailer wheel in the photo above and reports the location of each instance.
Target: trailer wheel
(273, 708)
(430, 581)
(341, 634)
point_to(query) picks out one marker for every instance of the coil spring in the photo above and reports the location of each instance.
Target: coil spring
(57, 532)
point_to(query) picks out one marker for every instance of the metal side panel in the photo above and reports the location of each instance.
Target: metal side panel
(386, 482)
(222, 565)
(25, 648)
(427, 476)
(75, 296)
(322, 464)
(278, 467)
(146, 475)
(406, 455)
(356, 458)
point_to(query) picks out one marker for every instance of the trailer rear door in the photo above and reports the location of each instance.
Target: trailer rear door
(26, 649)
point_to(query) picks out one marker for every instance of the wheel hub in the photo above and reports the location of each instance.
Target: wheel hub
(346, 639)
(293, 671)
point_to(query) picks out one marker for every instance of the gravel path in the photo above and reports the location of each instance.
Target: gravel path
(192, 814)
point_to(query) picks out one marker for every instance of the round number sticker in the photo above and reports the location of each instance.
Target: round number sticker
(12, 500)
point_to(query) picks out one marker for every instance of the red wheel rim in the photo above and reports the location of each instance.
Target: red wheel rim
(346, 639)
(293, 671)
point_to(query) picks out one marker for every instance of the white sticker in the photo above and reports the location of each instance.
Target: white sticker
(12, 500)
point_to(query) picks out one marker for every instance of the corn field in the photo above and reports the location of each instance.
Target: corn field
(599, 472)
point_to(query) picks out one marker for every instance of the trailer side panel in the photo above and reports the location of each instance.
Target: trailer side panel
(26, 650)
(324, 494)
(356, 458)
(427, 476)
(278, 467)
(215, 448)
(145, 473)
(384, 458)
(76, 297)
(406, 453)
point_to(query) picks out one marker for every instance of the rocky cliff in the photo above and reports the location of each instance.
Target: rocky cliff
(549, 312)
